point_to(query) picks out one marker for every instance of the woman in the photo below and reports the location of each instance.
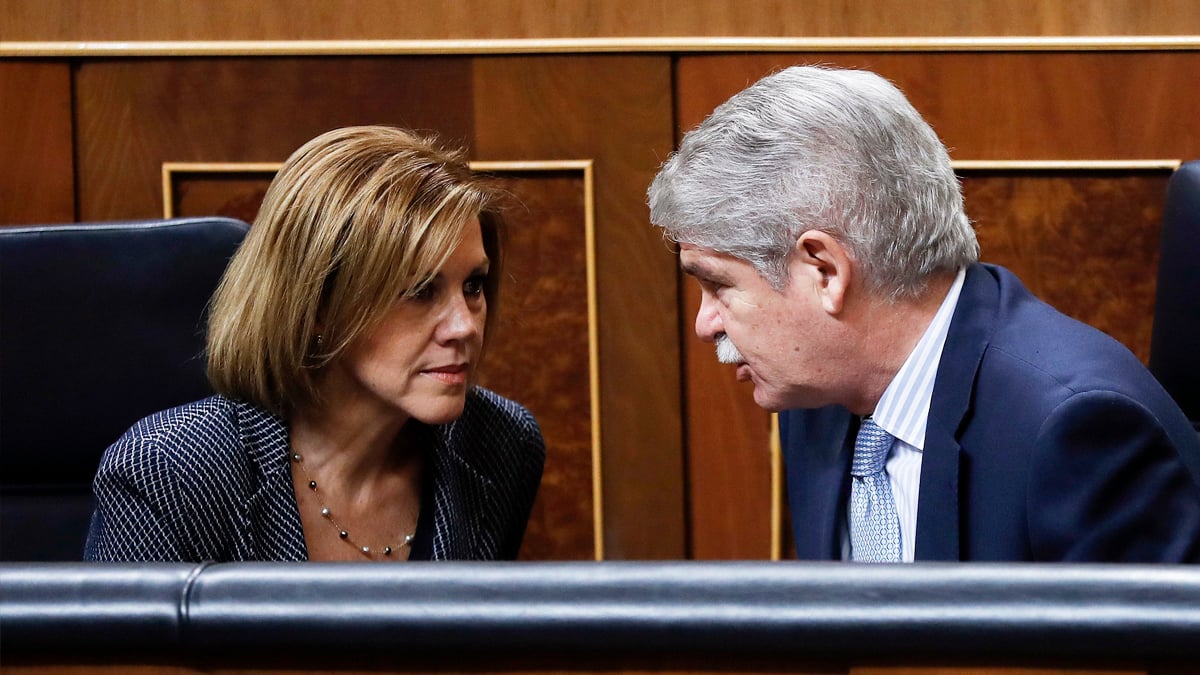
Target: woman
(342, 342)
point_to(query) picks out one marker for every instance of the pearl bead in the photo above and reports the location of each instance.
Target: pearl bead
(312, 485)
(296, 457)
(325, 511)
(387, 550)
(366, 549)
(343, 534)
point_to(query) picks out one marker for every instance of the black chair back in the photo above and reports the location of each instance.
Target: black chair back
(1175, 339)
(101, 324)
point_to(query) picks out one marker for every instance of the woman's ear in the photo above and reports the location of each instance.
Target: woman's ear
(825, 264)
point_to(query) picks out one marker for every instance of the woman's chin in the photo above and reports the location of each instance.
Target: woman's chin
(443, 412)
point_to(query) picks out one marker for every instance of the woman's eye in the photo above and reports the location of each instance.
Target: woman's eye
(474, 286)
(423, 293)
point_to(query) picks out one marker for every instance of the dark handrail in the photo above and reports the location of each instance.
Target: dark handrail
(832, 611)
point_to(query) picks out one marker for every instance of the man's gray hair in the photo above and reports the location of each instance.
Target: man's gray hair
(841, 151)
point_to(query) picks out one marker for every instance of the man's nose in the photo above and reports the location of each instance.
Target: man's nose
(708, 319)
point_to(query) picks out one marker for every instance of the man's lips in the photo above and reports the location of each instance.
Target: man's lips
(452, 374)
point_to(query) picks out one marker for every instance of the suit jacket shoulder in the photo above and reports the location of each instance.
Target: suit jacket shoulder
(1046, 440)
(1037, 423)
(210, 480)
(203, 481)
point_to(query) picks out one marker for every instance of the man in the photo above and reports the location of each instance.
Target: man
(940, 411)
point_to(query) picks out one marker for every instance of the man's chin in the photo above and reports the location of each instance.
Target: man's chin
(767, 402)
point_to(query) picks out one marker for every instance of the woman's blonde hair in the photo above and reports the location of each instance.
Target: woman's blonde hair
(354, 220)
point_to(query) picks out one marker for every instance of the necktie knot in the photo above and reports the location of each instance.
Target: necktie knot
(874, 523)
(870, 449)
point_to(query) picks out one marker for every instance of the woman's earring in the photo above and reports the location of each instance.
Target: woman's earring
(320, 340)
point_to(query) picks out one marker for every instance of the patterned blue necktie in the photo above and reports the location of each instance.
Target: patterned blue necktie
(874, 525)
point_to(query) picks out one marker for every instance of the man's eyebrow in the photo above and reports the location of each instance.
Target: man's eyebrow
(700, 269)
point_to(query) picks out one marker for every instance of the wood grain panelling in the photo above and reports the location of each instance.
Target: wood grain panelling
(419, 19)
(1102, 105)
(231, 194)
(134, 115)
(728, 450)
(615, 110)
(538, 352)
(1085, 241)
(37, 181)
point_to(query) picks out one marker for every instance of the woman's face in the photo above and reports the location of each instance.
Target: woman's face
(419, 360)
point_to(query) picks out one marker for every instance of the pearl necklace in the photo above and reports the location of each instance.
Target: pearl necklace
(327, 514)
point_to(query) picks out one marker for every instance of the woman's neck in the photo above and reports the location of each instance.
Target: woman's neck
(352, 442)
(357, 482)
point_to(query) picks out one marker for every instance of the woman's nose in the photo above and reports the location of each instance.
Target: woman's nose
(461, 321)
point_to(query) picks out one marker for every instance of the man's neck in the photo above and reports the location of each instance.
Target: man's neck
(890, 335)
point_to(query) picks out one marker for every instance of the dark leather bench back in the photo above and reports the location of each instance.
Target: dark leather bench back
(101, 324)
(1175, 340)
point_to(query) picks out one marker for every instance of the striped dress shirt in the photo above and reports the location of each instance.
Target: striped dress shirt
(903, 412)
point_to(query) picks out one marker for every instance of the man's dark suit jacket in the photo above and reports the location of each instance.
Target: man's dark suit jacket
(1047, 441)
(211, 480)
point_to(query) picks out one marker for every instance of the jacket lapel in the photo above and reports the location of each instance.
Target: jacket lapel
(273, 517)
(817, 457)
(938, 517)
(464, 502)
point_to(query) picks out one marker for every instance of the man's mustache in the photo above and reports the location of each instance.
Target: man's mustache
(726, 352)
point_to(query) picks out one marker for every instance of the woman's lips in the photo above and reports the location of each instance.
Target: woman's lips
(454, 374)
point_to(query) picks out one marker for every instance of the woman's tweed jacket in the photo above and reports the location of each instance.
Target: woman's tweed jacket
(210, 480)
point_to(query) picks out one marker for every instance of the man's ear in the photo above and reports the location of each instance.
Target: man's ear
(826, 265)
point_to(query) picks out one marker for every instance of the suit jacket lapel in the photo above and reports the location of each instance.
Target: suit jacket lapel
(464, 502)
(938, 517)
(272, 512)
(818, 465)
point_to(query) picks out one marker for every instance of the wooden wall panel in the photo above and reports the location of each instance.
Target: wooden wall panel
(230, 193)
(134, 115)
(538, 353)
(1010, 106)
(1084, 241)
(616, 111)
(985, 106)
(459, 19)
(37, 180)
(729, 465)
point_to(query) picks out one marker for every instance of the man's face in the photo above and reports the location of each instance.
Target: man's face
(771, 336)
